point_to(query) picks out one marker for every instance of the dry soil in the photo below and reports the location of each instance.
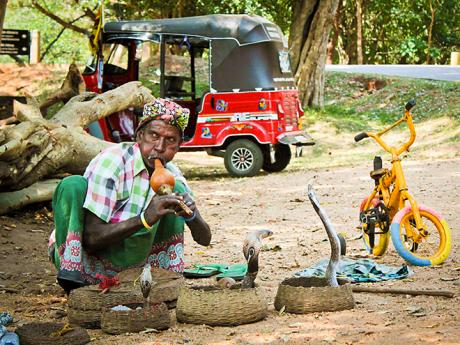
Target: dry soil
(278, 202)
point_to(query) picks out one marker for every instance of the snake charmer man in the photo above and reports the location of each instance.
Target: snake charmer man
(110, 219)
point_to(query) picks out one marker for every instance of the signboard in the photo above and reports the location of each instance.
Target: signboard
(15, 42)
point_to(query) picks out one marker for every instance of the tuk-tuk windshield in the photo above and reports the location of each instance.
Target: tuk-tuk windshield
(115, 58)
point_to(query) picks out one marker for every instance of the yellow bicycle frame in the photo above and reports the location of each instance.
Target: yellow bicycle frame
(392, 187)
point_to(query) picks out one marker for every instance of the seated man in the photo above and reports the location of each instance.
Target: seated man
(110, 219)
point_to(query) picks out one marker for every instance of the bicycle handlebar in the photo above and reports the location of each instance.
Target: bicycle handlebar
(361, 136)
(376, 136)
(410, 104)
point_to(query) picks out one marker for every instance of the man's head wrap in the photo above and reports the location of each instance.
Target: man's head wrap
(167, 111)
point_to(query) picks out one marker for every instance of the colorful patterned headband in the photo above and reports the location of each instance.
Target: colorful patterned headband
(165, 110)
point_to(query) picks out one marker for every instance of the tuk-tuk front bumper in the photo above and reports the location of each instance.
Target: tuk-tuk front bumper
(297, 138)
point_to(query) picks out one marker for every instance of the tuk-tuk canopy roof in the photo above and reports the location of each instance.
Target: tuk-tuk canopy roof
(243, 28)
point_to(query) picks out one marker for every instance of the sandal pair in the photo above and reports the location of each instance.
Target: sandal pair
(235, 271)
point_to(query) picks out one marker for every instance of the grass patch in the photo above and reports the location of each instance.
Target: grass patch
(350, 108)
(343, 118)
(386, 104)
(350, 105)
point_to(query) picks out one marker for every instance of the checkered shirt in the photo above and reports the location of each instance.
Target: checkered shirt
(119, 183)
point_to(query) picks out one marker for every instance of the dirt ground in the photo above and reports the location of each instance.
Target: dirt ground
(277, 202)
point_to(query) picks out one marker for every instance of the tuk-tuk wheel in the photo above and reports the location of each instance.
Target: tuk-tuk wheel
(243, 158)
(282, 158)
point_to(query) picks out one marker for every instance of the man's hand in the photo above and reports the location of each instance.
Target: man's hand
(190, 204)
(162, 205)
(201, 232)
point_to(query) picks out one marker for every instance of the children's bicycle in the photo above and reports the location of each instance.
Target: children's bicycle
(419, 234)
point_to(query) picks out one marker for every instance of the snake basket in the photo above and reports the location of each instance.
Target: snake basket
(312, 294)
(220, 307)
(156, 316)
(85, 304)
(41, 333)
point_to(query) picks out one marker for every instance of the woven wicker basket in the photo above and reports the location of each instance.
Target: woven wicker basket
(85, 304)
(157, 316)
(220, 307)
(312, 294)
(39, 333)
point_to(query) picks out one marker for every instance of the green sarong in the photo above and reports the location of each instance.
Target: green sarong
(161, 246)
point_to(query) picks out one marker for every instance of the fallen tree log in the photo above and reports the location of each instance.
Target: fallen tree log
(8, 121)
(38, 192)
(37, 148)
(72, 86)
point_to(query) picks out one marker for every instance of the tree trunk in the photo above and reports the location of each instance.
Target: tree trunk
(332, 45)
(348, 33)
(379, 41)
(37, 148)
(309, 36)
(359, 32)
(430, 31)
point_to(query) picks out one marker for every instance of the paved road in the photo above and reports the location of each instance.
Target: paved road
(451, 73)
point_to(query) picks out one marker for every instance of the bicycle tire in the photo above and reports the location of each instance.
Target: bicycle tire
(381, 245)
(415, 254)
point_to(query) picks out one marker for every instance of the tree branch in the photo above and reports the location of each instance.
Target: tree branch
(52, 43)
(59, 20)
(131, 94)
(90, 13)
(59, 35)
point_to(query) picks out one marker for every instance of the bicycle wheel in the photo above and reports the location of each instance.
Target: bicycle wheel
(375, 237)
(418, 249)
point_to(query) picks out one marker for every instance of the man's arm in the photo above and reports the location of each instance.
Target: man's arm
(201, 232)
(99, 234)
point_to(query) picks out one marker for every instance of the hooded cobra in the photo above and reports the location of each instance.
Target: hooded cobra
(331, 271)
(251, 248)
(146, 283)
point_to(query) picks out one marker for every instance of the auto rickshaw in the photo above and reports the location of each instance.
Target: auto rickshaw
(233, 73)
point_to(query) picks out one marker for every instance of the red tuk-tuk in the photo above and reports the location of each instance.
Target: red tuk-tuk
(231, 71)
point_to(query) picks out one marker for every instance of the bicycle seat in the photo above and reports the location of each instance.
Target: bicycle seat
(377, 174)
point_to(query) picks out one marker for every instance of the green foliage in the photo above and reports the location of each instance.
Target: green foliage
(394, 31)
(70, 46)
(74, 46)
(411, 49)
(397, 31)
(350, 107)
(278, 11)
